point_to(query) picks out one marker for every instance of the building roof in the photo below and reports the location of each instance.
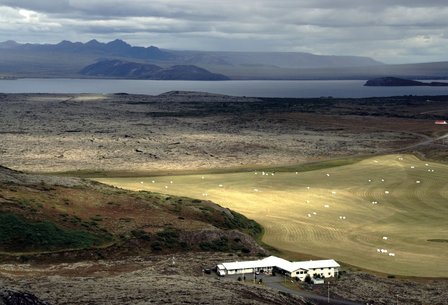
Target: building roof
(273, 261)
(270, 261)
(307, 265)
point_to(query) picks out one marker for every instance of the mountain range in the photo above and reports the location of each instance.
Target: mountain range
(69, 59)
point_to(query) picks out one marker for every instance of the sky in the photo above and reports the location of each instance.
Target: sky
(392, 31)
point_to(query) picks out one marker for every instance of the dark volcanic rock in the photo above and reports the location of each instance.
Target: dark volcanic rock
(8, 297)
(399, 82)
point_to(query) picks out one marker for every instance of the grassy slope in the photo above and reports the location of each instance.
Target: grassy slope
(410, 215)
(43, 218)
(20, 234)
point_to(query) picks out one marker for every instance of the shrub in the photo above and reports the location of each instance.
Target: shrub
(241, 222)
(18, 233)
(140, 234)
(156, 246)
(245, 250)
(169, 237)
(96, 218)
(220, 244)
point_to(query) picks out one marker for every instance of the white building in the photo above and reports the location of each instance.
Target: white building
(322, 268)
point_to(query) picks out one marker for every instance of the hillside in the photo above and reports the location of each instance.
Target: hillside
(70, 241)
(47, 214)
(125, 69)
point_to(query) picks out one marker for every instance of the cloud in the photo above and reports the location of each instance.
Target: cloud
(389, 30)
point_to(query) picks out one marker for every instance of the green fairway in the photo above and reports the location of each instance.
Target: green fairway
(352, 213)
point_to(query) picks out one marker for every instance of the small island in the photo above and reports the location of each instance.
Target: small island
(400, 82)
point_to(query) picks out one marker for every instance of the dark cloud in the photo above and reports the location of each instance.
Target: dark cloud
(389, 30)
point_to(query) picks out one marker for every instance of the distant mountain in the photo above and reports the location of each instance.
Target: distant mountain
(67, 59)
(120, 48)
(114, 48)
(399, 82)
(273, 59)
(134, 70)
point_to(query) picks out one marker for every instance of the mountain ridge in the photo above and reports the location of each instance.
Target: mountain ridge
(122, 48)
(134, 70)
(66, 59)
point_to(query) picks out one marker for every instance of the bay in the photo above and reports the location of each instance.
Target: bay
(256, 88)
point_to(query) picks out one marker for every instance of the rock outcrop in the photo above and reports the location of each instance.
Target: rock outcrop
(9, 297)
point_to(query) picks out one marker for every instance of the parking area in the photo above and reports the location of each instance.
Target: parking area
(278, 282)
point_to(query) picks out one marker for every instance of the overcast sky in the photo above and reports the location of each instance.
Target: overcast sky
(392, 31)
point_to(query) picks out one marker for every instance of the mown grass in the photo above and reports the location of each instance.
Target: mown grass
(337, 209)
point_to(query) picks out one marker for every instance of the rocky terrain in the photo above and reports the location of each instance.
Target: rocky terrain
(71, 241)
(170, 279)
(383, 291)
(9, 297)
(185, 130)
